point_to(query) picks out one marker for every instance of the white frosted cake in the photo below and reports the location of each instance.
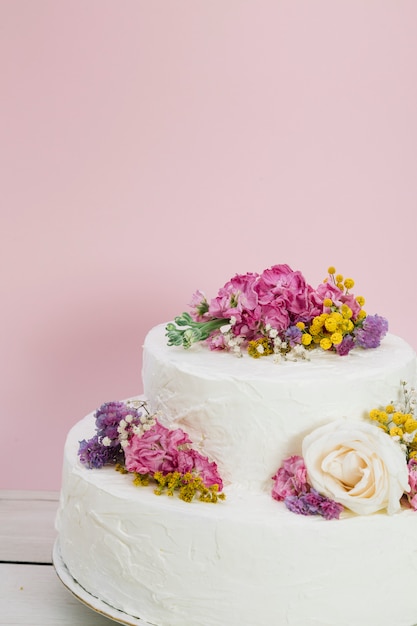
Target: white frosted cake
(332, 437)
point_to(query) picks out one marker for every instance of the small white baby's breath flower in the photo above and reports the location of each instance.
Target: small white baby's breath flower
(124, 443)
(122, 424)
(260, 349)
(273, 333)
(225, 328)
(106, 441)
(409, 437)
(129, 418)
(232, 320)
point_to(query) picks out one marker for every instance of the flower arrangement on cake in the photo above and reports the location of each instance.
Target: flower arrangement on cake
(134, 441)
(363, 467)
(278, 312)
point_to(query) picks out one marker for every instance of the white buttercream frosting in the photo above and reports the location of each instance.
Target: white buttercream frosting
(247, 560)
(244, 561)
(249, 414)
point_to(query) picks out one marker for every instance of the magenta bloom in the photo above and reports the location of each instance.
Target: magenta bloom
(237, 295)
(292, 487)
(412, 481)
(276, 314)
(290, 479)
(163, 450)
(155, 451)
(206, 469)
(281, 283)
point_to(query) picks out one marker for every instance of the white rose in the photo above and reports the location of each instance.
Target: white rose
(357, 465)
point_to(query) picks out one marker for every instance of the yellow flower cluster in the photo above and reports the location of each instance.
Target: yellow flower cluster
(329, 328)
(260, 347)
(187, 485)
(398, 423)
(339, 281)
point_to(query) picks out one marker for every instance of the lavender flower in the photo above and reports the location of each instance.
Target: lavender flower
(347, 344)
(108, 418)
(312, 503)
(374, 328)
(293, 335)
(93, 454)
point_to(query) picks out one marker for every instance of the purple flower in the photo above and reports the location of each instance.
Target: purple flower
(293, 335)
(374, 328)
(312, 503)
(94, 455)
(108, 417)
(347, 344)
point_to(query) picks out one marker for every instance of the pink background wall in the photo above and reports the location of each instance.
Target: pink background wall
(152, 148)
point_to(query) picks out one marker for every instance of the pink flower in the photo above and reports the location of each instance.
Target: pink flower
(290, 479)
(412, 481)
(206, 469)
(276, 314)
(282, 288)
(190, 460)
(199, 305)
(155, 451)
(236, 296)
(326, 290)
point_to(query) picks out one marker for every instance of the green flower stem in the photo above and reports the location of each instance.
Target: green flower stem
(190, 331)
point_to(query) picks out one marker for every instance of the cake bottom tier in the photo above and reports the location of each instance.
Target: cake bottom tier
(240, 562)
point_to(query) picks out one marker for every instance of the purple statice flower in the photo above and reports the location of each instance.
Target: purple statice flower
(94, 454)
(347, 344)
(373, 329)
(312, 503)
(293, 335)
(108, 418)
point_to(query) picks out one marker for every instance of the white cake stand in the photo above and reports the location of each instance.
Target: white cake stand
(86, 598)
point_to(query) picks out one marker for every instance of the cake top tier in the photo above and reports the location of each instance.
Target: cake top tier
(278, 312)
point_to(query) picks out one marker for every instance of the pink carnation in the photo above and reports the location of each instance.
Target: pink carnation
(282, 288)
(207, 470)
(290, 479)
(412, 481)
(190, 460)
(155, 451)
(237, 295)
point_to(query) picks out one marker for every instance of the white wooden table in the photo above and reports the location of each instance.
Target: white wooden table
(30, 591)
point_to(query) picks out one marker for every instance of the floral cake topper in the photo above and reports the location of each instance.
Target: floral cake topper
(278, 312)
(363, 467)
(134, 441)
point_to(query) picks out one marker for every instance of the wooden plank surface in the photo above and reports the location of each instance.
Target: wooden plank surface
(27, 526)
(33, 595)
